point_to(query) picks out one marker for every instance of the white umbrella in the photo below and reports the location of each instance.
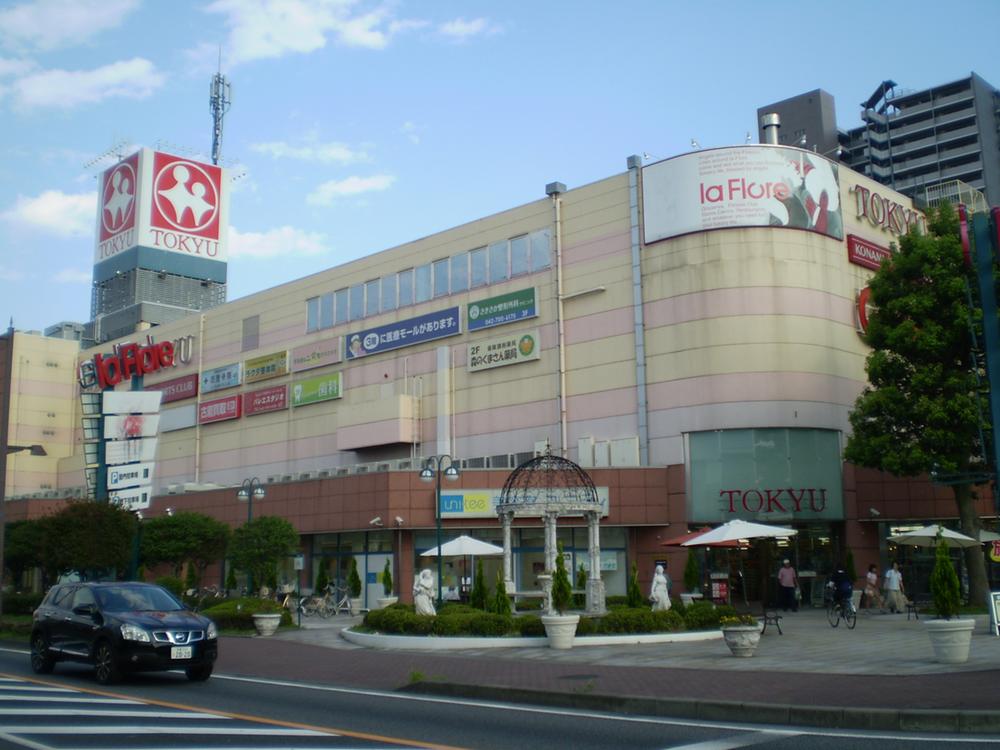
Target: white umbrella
(737, 529)
(462, 546)
(988, 536)
(928, 537)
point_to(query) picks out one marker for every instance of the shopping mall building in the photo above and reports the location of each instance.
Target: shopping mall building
(688, 331)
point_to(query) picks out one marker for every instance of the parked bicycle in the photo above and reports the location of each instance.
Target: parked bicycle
(333, 601)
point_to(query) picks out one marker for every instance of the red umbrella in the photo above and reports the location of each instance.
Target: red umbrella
(677, 541)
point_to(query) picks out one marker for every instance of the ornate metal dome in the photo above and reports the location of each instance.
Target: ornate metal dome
(548, 484)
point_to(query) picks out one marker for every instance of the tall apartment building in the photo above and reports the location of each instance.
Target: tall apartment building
(909, 140)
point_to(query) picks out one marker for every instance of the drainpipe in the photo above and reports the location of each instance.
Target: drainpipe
(639, 325)
(197, 422)
(554, 190)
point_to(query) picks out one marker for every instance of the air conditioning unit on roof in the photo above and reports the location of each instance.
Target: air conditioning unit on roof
(323, 474)
(305, 475)
(342, 471)
(383, 466)
(361, 469)
(273, 479)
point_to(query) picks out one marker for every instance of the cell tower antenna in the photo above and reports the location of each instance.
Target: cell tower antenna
(219, 100)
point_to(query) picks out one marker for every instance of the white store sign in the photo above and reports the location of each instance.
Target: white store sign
(130, 475)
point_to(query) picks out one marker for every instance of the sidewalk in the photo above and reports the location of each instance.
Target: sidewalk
(813, 674)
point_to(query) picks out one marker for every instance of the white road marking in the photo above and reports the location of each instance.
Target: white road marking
(110, 712)
(731, 743)
(34, 729)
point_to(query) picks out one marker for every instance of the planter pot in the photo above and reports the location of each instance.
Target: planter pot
(950, 639)
(267, 624)
(561, 629)
(355, 605)
(386, 601)
(742, 639)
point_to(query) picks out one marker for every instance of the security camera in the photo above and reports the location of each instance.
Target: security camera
(399, 520)
(377, 521)
(875, 512)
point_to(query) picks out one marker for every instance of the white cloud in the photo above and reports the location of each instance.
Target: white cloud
(14, 67)
(133, 79)
(284, 241)
(9, 274)
(73, 276)
(50, 24)
(262, 29)
(339, 153)
(55, 212)
(328, 192)
(410, 131)
(460, 30)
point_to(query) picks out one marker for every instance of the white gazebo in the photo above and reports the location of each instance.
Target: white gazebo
(548, 487)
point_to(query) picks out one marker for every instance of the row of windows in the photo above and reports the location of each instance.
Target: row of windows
(493, 264)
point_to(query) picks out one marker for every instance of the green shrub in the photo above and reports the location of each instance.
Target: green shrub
(173, 584)
(231, 579)
(480, 592)
(501, 602)
(616, 601)
(322, 578)
(587, 626)
(387, 579)
(21, 604)
(191, 579)
(530, 626)
(633, 592)
(237, 614)
(702, 616)
(945, 588)
(692, 571)
(670, 621)
(354, 580)
(580, 600)
(562, 592)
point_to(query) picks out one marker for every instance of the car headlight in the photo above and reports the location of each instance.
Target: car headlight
(212, 631)
(134, 633)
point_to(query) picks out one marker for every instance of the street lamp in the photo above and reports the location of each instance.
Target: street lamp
(250, 489)
(434, 466)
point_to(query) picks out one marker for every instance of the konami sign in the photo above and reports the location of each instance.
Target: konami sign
(864, 253)
(158, 200)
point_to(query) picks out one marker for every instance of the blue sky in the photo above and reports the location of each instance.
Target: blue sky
(356, 125)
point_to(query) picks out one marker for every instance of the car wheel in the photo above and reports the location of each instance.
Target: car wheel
(42, 661)
(106, 668)
(199, 673)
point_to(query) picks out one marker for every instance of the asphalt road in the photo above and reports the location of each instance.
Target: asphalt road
(165, 710)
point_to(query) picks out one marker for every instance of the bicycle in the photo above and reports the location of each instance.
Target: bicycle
(837, 611)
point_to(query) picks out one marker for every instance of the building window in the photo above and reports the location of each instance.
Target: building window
(251, 333)
(423, 283)
(459, 273)
(388, 293)
(498, 262)
(357, 301)
(519, 256)
(441, 272)
(326, 311)
(342, 307)
(541, 250)
(405, 287)
(477, 268)
(312, 314)
(371, 297)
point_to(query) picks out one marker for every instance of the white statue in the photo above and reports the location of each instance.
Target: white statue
(423, 593)
(659, 595)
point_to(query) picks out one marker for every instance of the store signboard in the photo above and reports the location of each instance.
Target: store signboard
(317, 354)
(130, 475)
(265, 400)
(220, 378)
(131, 402)
(134, 499)
(429, 327)
(265, 367)
(483, 503)
(129, 451)
(506, 350)
(176, 389)
(314, 390)
(770, 475)
(864, 253)
(219, 410)
(741, 186)
(497, 311)
(127, 426)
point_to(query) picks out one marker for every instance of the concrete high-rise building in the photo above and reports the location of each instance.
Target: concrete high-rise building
(909, 140)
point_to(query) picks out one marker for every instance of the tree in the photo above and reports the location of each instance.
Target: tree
(354, 580)
(322, 578)
(23, 547)
(89, 537)
(920, 413)
(632, 591)
(258, 546)
(692, 572)
(480, 592)
(581, 583)
(501, 603)
(944, 584)
(387, 578)
(184, 537)
(562, 592)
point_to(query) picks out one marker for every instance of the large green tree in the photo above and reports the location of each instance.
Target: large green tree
(184, 537)
(23, 547)
(921, 412)
(259, 545)
(90, 537)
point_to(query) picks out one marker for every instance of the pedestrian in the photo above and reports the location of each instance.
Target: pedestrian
(788, 584)
(895, 597)
(873, 598)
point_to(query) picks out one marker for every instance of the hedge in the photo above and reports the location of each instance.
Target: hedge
(237, 614)
(21, 604)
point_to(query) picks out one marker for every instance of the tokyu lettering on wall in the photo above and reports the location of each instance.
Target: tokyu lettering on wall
(886, 214)
(781, 500)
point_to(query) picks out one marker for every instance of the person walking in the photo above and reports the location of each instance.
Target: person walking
(788, 582)
(895, 597)
(873, 598)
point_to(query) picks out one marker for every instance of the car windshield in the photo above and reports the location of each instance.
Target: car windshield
(136, 599)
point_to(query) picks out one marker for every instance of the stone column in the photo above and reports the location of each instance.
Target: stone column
(595, 586)
(508, 568)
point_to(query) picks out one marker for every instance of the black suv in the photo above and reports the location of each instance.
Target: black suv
(121, 627)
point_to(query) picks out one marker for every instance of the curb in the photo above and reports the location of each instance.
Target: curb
(828, 717)
(452, 643)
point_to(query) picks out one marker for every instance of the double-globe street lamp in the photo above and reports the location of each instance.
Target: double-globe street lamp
(434, 467)
(250, 489)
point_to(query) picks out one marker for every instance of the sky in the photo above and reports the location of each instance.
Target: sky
(356, 126)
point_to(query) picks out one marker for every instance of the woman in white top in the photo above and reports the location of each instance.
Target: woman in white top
(894, 589)
(872, 596)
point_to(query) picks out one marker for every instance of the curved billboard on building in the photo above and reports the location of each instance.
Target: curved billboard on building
(743, 186)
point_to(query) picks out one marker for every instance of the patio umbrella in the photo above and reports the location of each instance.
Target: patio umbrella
(928, 537)
(738, 529)
(677, 541)
(988, 536)
(465, 546)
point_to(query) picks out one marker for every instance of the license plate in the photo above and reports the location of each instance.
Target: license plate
(180, 652)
